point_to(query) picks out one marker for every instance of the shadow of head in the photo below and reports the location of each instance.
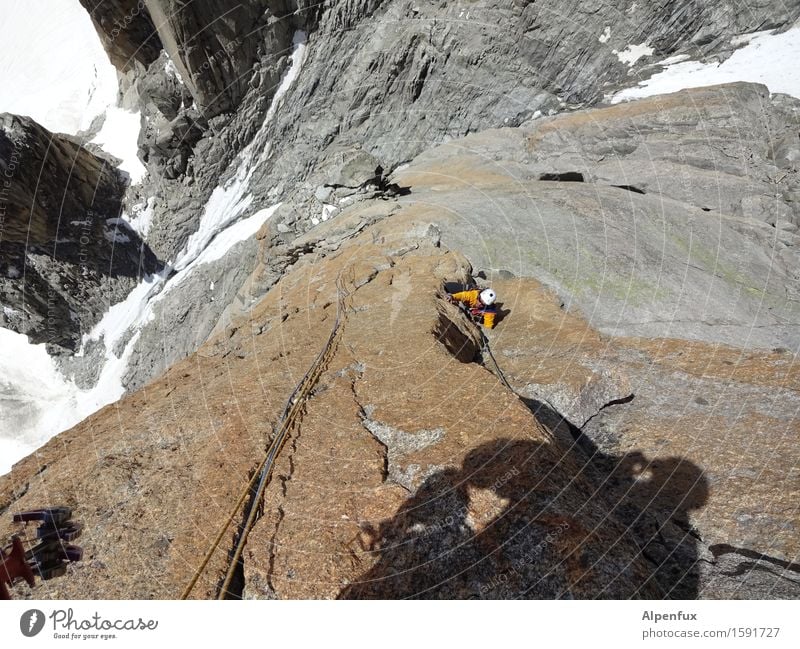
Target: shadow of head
(673, 484)
(510, 468)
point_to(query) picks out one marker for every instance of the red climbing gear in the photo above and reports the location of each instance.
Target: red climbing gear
(49, 557)
(14, 566)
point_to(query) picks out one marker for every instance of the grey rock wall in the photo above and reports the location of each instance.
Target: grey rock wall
(394, 78)
(666, 217)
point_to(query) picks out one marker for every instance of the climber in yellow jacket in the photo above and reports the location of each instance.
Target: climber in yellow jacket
(479, 303)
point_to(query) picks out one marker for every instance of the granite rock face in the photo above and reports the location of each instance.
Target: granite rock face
(415, 471)
(65, 255)
(515, 479)
(632, 218)
(638, 245)
(213, 45)
(490, 64)
(631, 432)
(375, 77)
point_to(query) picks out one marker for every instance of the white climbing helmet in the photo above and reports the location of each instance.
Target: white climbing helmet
(488, 296)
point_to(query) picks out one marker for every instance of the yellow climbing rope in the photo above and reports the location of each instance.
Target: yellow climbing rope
(294, 405)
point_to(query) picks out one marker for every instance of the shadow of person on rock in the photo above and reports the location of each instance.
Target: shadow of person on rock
(500, 313)
(654, 498)
(521, 519)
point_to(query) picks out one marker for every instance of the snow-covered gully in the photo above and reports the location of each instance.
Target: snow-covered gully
(36, 400)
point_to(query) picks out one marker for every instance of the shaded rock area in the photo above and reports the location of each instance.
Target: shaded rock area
(214, 45)
(171, 125)
(414, 471)
(646, 413)
(126, 31)
(65, 255)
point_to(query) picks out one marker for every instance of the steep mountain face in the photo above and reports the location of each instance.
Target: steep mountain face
(414, 471)
(377, 75)
(215, 45)
(375, 447)
(629, 435)
(680, 219)
(372, 84)
(65, 254)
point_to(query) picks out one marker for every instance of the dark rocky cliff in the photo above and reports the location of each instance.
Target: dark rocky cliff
(65, 255)
(126, 30)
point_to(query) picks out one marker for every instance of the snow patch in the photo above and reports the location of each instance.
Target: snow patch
(12, 450)
(633, 53)
(53, 68)
(35, 398)
(170, 69)
(767, 58)
(142, 217)
(118, 136)
(228, 202)
(327, 211)
(298, 56)
(224, 241)
(603, 38)
(678, 58)
(744, 39)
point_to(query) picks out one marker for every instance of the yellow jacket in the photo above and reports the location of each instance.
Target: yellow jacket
(472, 300)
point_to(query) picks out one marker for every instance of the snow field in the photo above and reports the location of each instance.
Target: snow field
(766, 58)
